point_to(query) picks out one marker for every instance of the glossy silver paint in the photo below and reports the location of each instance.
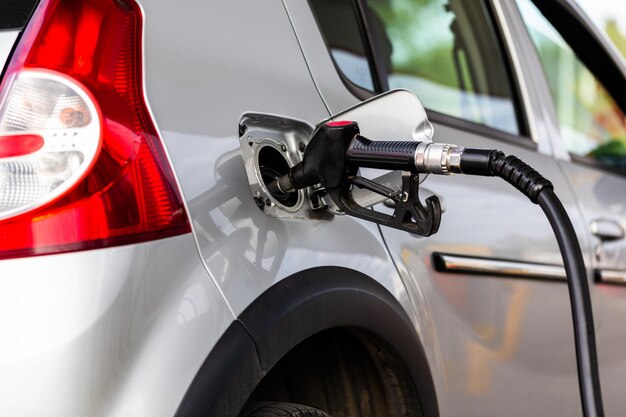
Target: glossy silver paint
(7, 40)
(260, 69)
(244, 250)
(112, 332)
(492, 331)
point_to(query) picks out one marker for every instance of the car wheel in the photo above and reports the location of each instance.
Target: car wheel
(281, 410)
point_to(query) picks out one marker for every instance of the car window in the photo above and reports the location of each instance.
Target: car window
(445, 51)
(592, 124)
(338, 21)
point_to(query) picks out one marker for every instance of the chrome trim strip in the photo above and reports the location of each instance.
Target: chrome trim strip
(611, 276)
(457, 263)
(518, 70)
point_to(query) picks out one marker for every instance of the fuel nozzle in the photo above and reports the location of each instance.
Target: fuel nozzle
(337, 150)
(338, 145)
(335, 154)
(324, 160)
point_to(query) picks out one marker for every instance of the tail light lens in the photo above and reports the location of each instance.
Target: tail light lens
(81, 163)
(49, 138)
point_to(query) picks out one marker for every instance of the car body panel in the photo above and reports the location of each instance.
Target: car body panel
(244, 250)
(109, 332)
(7, 40)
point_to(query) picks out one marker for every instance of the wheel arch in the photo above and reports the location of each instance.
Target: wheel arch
(288, 313)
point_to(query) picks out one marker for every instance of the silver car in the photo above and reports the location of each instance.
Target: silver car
(147, 270)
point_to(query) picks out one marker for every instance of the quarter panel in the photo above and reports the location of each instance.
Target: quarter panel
(111, 332)
(202, 74)
(211, 66)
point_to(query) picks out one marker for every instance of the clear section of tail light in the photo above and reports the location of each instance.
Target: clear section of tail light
(49, 138)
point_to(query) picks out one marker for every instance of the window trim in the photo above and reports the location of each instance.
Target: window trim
(588, 162)
(509, 66)
(523, 138)
(376, 65)
(481, 130)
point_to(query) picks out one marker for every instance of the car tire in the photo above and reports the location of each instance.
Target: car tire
(270, 409)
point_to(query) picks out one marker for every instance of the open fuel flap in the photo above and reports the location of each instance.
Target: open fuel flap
(272, 144)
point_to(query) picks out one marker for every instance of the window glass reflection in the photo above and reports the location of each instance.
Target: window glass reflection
(446, 52)
(592, 125)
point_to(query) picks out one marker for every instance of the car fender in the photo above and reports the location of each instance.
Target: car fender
(288, 313)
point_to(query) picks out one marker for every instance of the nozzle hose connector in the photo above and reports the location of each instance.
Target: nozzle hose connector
(520, 175)
(446, 159)
(438, 158)
(411, 156)
(491, 162)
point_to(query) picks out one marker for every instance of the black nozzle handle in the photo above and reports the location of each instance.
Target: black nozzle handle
(324, 161)
(391, 155)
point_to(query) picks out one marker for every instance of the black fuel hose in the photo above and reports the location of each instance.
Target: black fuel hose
(540, 191)
(580, 300)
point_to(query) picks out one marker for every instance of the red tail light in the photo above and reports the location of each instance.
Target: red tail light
(81, 163)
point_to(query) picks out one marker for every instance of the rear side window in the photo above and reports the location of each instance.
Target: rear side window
(15, 13)
(445, 51)
(592, 125)
(339, 22)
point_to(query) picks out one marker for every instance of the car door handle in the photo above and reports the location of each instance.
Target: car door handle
(606, 230)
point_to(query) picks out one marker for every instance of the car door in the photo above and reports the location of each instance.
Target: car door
(586, 83)
(488, 285)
